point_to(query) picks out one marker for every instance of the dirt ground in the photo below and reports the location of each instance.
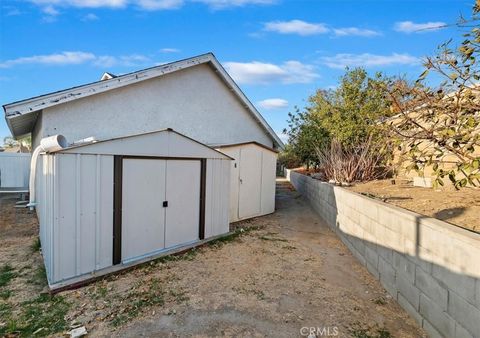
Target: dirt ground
(459, 207)
(273, 276)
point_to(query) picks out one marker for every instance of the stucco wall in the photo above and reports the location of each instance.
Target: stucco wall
(430, 267)
(37, 133)
(193, 101)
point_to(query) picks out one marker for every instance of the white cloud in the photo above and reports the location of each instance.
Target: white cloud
(222, 4)
(82, 3)
(296, 27)
(354, 31)
(50, 10)
(263, 73)
(90, 17)
(155, 5)
(368, 60)
(148, 5)
(412, 27)
(12, 11)
(124, 60)
(273, 103)
(170, 50)
(76, 58)
(63, 58)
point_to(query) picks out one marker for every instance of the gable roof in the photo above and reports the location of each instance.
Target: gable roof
(128, 145)
(229, 145)
(21, 116)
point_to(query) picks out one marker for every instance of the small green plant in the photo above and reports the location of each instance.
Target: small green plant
(7, 273)
(99, 292)
(43, 315)
(380, 301)
(187, 255)
(40, 276)
(142, 296)
(179, 295)
(383, 333)
(232, 236)
(36, 246)
(367, 333)
(259, 293)
(5, 294)
(5, 311)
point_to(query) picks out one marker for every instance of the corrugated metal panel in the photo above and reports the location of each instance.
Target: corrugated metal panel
(255, 166)
(250, 194)
(269, 166)
(45, 207)
(14, 170)
(217, 197)
(143, 217)
(234, 152)
(83, 205)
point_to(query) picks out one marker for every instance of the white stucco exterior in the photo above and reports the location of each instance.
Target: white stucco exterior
(192, 101)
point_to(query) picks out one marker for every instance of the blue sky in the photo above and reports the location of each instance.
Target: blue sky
(278, 51)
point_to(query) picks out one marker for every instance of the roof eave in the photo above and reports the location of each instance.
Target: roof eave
(44, 101)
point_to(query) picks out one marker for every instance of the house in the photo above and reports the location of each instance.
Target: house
(157, 160)
(422, 123)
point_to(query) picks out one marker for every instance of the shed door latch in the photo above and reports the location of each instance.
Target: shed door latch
(165, 204)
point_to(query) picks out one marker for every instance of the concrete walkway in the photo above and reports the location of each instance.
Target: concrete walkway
(291, 274)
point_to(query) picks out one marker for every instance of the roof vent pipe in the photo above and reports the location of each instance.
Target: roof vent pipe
(47, 144)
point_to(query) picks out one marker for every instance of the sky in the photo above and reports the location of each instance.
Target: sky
(278, 51)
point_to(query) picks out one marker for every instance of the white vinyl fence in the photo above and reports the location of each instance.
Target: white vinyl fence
(14, 171)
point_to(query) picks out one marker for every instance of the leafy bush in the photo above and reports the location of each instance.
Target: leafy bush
(349, 114)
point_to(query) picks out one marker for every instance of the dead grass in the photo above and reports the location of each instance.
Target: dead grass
(258, 275)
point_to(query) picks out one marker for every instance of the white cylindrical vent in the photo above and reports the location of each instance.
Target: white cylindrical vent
(53, 143)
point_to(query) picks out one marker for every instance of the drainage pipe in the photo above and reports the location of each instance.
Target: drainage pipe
(47, 144)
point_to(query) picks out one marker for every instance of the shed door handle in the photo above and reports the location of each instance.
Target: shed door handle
(165, 204)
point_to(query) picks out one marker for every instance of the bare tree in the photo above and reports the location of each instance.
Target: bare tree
(439, 127)
(357, 163)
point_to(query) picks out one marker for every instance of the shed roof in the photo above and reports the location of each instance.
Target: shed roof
(230, 145)
(21, 116)
(160, 143)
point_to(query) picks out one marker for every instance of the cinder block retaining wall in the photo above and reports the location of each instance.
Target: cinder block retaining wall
(430, 267)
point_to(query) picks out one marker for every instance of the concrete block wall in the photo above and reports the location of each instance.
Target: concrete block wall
(430, 267)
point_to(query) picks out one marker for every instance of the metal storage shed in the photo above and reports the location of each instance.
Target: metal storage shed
(107, 205)
(252, 184)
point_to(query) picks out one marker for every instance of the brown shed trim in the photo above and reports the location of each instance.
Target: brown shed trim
(117, 208)
(117, 198)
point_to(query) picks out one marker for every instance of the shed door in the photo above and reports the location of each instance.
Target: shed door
(143, 217)
(183, 196)
(160, 205)
(250, 182)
